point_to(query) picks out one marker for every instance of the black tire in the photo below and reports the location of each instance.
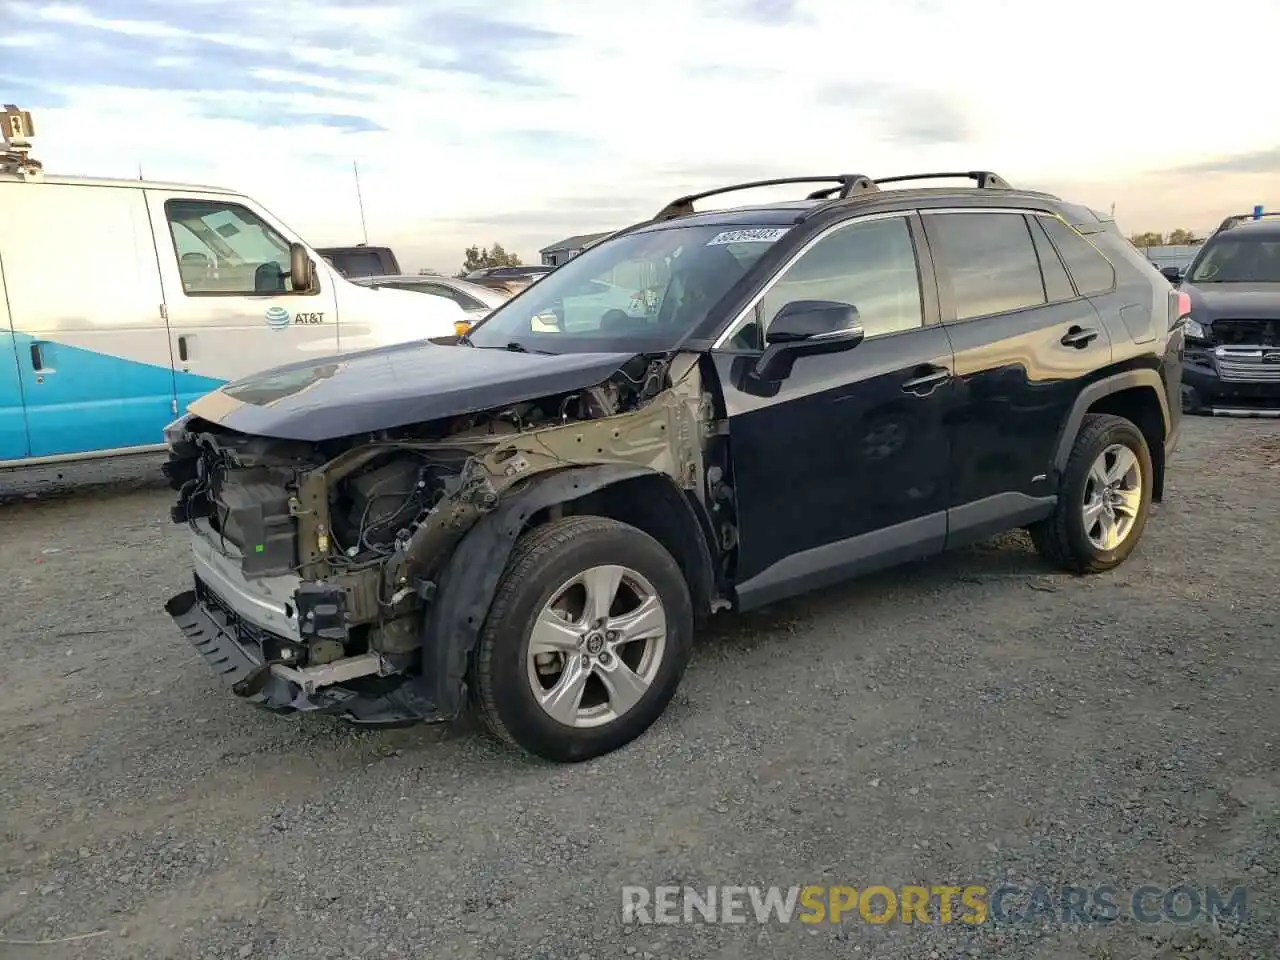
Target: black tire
(1191, 401)
(543, 559)
(1062, 539)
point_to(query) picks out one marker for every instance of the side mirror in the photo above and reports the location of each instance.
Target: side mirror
(1172, 274)
(804, 328)
(302, 272)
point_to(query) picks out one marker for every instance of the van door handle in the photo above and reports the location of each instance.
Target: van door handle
(182, 349)
(930, 378)
(37, 358)
(1078, 337)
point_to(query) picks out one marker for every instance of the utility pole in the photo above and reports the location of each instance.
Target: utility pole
(360, 200)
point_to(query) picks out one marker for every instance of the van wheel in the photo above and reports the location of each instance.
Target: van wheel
(1103, 500)
(586, 641)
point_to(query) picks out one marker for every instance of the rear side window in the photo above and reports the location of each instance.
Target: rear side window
(1091, 271)
(1057, 285)
(990, 260)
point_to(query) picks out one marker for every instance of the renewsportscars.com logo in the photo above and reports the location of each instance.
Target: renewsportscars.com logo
(277, 318)
(938, 904)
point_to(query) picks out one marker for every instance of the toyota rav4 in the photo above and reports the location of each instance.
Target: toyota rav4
(532, 519)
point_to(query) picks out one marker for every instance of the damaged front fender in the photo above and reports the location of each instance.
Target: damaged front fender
(469, 580)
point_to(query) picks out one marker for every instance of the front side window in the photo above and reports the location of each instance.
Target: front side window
(869, 265)
(1237, 259)
(224, 249)
(990, 260)
(638, 292)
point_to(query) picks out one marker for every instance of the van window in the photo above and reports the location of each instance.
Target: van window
(225, 249)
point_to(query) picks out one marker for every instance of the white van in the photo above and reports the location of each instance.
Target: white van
(121, 301)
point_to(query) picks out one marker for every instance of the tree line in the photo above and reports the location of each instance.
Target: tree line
(480, 258)
(1174, 238)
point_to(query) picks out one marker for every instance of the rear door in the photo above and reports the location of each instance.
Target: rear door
(1025, 343)
(13, 417)
(85, 307)
(845, 467)
(231, 311)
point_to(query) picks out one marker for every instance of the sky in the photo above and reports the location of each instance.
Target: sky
(524, 122)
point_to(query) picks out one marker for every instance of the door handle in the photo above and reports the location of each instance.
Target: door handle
(927, 381)
(1078, 337)
(37, 358)
(182, 349)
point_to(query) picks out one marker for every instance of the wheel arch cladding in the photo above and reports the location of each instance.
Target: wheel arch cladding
(469, 580)
(1136, 395)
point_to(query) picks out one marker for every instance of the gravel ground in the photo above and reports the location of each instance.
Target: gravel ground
(975, 719)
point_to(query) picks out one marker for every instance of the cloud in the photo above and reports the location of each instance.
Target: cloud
(1266, 161)
(908, 115)
(768, 12)
(535, 119)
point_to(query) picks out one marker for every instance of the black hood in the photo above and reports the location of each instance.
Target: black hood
(393, 387)
(1239, 301)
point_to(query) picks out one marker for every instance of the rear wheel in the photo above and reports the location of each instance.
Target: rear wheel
(1103, 500)
(586, 641)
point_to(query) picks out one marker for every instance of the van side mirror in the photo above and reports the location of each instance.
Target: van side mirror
(804, 328)
(302, 271)
(1172, 274)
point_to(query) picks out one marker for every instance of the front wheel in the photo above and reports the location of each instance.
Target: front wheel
(586, 641)
(1103, 500)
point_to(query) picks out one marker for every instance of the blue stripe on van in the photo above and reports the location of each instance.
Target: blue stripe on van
(87, 401)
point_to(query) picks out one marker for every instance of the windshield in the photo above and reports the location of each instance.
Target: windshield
(639, 292)
(1238, 260)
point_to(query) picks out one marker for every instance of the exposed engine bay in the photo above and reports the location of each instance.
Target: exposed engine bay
(357, 529)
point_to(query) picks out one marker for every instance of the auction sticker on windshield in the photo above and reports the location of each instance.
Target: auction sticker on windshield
(758, 235)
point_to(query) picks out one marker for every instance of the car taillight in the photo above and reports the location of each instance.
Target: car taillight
(1184, 305)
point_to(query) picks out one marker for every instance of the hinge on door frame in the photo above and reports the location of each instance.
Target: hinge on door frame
(173, 405)
(164, 314)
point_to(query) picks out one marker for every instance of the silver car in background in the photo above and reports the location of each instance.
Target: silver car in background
(476, 300)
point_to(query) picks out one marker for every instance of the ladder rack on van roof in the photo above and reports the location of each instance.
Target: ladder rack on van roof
(845, 185)
(16, 131)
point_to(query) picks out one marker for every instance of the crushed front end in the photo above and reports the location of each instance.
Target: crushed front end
(1232, 368)
(316, 564)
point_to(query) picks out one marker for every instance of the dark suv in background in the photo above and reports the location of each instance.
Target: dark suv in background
(362, 260)
(1233, 335)
(704, 411)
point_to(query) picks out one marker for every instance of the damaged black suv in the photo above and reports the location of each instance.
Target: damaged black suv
(707, 410)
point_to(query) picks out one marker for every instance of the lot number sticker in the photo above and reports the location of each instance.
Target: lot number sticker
(761, 235)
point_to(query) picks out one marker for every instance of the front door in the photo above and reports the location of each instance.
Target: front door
(231, 309)
(846, 467)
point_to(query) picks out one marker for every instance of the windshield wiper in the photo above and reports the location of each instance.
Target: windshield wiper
(515, 346)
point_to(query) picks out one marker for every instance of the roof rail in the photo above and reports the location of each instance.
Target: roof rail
(1240, 218)
(985, 179)
(846, 185)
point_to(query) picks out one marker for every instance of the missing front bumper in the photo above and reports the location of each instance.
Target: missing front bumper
(358, 689)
